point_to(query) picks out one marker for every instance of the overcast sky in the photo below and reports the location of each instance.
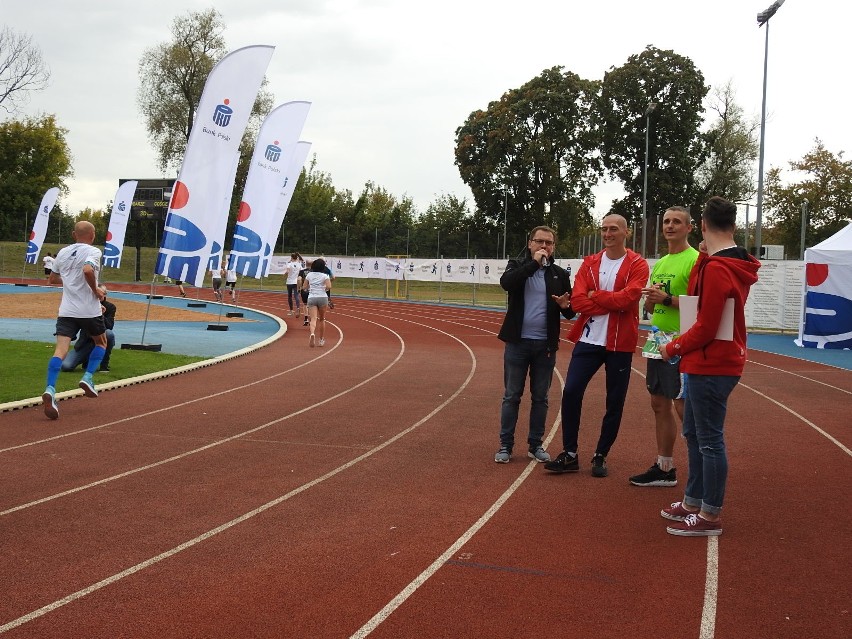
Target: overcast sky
(391, 80)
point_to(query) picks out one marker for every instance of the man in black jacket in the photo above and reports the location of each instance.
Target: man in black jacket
(539, 291)
(84, 344)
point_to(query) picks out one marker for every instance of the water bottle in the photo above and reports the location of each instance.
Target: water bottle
(661, 339)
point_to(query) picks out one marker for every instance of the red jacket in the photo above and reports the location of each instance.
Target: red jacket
(622, 303)
(714, 279)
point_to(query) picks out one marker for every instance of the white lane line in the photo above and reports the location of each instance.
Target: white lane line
(182, 404)
(810, 379)
(711, 590)
(35, 614)
(418, 581)
(805, 420)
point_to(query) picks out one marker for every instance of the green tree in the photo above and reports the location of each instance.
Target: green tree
(675, 146)
(22, 69)
(827, 187)
(34, 156)
(451, 216)
(532, 153)
(98, 218)
(732, 149)
(171, 79)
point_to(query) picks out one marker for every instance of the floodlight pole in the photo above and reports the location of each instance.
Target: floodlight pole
(763, 19)
(648, 111)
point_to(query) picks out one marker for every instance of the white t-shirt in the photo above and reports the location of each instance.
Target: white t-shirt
(48, 262)
(292, 269)
(230, 276)
(216, 273)
(78, 300)
(597, 325)
(316, 284)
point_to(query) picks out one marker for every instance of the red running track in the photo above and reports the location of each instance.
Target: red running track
(350, 491)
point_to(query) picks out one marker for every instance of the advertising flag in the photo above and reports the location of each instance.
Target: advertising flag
(195, 208)
(40, 225)
(297, 161)
(114, 246)
(269, 164)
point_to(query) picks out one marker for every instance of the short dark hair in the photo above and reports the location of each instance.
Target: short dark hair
(318, 265)
(546, 229)
(720, 214)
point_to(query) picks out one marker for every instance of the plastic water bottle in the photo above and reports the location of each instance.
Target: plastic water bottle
(661, 340)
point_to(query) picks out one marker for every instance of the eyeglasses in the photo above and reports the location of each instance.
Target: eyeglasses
(540, 242)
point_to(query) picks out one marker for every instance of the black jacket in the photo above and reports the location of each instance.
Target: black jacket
(557, 281)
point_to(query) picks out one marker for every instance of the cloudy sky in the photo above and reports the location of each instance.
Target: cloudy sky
(391, 80)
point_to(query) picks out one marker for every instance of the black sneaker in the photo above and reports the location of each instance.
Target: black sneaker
(563, 463)
(599, 466)
(655, 477)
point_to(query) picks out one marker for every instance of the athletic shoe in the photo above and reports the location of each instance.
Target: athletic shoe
(104, 369)
(563, 463)
(695, 526)
(48, 398)
(655, 477)
(88, 385)
(330, 305)
(676, 512)
(503, 455)
(311, 341)
(599, 466)
(322, 341)
(306, 323)
(539, 454)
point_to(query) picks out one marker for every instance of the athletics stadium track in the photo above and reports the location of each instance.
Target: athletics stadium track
(350, 491)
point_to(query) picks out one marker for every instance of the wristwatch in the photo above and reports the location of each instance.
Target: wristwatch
(667, 300)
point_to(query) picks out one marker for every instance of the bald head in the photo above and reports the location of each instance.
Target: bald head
(614, 235)
(84, 232)
(615, 218)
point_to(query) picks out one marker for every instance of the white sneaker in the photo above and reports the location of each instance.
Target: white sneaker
(322, 341)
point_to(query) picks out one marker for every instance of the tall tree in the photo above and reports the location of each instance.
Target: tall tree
(828, 189)
(531, 152)
(675, 146)
(171, 80)
(34, 156)
(22, 69)
(732, 149)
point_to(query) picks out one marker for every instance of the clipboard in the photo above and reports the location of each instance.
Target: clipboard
(688, 305)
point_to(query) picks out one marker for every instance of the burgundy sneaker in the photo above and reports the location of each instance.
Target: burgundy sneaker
(695, 526)
(676, 512)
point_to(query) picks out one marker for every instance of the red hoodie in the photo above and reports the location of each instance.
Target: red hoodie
(714, 279)
(622, 303)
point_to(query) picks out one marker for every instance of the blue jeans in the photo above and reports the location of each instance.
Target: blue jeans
(586, 360)
(704, 430)
(519, 358)
(79, 353)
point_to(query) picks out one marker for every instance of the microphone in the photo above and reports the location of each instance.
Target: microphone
(545, 262)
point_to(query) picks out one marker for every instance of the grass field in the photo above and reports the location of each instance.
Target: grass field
(12, 265)
(25, 368)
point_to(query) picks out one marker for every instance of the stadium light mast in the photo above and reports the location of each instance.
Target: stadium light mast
(763, 19)
(648, 111)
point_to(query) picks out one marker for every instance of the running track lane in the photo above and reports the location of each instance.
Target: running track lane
(324, 561)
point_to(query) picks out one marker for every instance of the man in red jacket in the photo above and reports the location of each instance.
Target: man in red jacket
(606, 293)
(713, 368)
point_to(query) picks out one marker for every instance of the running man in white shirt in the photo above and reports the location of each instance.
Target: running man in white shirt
(76, 269)
(291, 270)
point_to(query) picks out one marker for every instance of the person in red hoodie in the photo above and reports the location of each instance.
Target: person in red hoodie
(606, 294)
(713, 368)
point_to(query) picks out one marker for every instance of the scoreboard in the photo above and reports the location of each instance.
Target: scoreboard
(151, 199)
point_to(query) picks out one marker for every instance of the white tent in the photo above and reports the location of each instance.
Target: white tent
(827, 302)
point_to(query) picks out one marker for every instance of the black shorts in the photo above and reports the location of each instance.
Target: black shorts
(47, 271)
(664, 379)
(70, 326)
(304, 296)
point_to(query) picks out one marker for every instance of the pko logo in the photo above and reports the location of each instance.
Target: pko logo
(112, 255)
(121, 206)
(273, 152)
(222, 114)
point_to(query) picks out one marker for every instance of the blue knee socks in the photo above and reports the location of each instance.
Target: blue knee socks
(53, 367)
(95, 358)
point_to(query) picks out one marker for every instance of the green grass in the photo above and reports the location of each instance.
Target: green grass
(25, 368)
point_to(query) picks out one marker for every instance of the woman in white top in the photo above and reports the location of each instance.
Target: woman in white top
(317, 284)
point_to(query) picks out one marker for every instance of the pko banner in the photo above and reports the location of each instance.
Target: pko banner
(40, 225)
(196, 204)
(267, 172)
(114, 246)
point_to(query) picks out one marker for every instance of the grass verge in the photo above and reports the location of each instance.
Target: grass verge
(25, 368)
